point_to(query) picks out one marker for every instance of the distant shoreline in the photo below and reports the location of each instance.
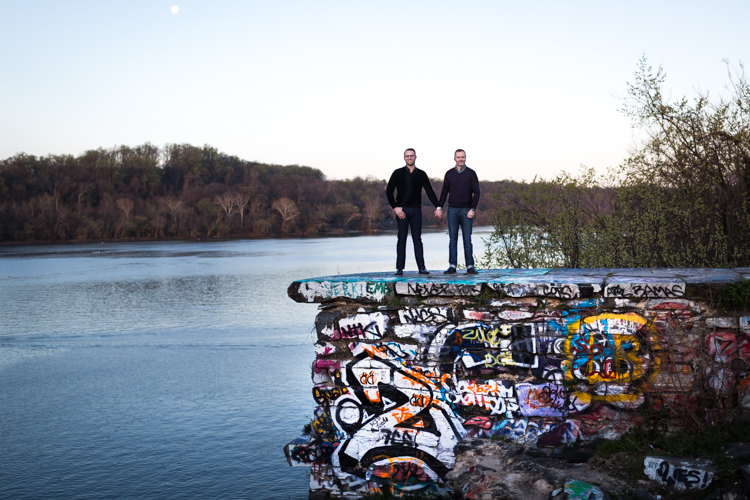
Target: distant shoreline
(348, 234)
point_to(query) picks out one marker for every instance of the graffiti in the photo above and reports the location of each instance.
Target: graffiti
(610, 349)
(404, 353)
(323, 349)
(726, 347)
(301, 452)
(519, 429)
(420, 400)
(420, 333)
(444, 289)
(644, 291)
(545, 368)
(495, 396)
(396, 436)
(549, 400)
(482, 422)
(578, 490)
(431, 315)
(402, 471)
(514, 315)
(337, 484)
(324, 324)
(721, 323)
(512, 344)
(363, 326)
(325, 371)
(559, 435)
(322, 424)
(731, 355)
(393, 411)
(549, 290)
(476, 490)
(312, 291)
(325, 395)
(479, 315)
(680, 474)
(672, 304)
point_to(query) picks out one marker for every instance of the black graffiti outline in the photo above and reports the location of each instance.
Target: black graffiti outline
(425, 289)
(424, 315)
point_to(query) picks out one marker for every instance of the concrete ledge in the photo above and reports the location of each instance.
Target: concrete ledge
(551, 283)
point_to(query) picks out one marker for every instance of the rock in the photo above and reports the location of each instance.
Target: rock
(745, 475)
(679, 473)
(643, 495)
(542, 487)
(536, 452)
(462, 448)
(737, 450)
(319, 495)
(572, 456)
(579, 456)
(716, 495)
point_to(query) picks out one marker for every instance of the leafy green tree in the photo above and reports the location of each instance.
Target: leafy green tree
(681, 200)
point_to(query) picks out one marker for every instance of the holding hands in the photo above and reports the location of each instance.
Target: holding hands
(439, 213)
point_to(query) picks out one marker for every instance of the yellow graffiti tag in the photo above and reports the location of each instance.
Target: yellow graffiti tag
(605, 350)
(491, 337)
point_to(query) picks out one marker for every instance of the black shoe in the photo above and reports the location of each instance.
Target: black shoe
(398, 272)
(450, 270)
(471, 270)
(424, 271)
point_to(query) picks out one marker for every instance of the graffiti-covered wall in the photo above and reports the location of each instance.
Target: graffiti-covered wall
(408, 367)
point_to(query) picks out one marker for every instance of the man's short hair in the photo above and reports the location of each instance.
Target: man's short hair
(410, 149)
(459, 151)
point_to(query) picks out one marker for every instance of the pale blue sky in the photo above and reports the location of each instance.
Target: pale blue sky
(345, 86)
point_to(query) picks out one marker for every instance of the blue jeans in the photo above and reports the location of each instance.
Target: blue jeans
(412, 220)
(456, 217)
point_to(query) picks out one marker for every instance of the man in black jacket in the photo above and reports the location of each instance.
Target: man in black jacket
(408, 181)
(463, 186)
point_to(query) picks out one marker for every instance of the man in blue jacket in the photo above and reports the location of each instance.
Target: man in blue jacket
(461, 187)
(409, 181)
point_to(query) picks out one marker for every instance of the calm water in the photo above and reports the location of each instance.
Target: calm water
(171, 370)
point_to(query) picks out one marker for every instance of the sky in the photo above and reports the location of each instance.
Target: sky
(526, 88)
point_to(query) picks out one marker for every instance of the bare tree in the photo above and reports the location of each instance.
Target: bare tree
(173, 205)
(126, 205)
(227, 203)
(287, 209)
(344, 213)
(240, 201)
(371, 212)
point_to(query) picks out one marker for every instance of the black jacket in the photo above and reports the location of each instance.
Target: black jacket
(409, 186)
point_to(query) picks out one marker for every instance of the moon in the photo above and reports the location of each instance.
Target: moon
(175, 9)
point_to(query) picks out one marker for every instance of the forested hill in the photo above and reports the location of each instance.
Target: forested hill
(184, 191)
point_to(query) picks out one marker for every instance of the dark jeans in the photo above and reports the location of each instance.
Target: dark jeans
(456, 217)
(413, 219)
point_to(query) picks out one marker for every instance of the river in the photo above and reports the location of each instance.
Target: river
(165, 369)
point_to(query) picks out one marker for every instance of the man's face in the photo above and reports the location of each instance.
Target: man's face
(410, 157)
(460, 158)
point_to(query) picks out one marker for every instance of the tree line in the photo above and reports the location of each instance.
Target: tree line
(185, 191)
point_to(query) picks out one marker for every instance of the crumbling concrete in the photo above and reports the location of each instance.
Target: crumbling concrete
(416, 376)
